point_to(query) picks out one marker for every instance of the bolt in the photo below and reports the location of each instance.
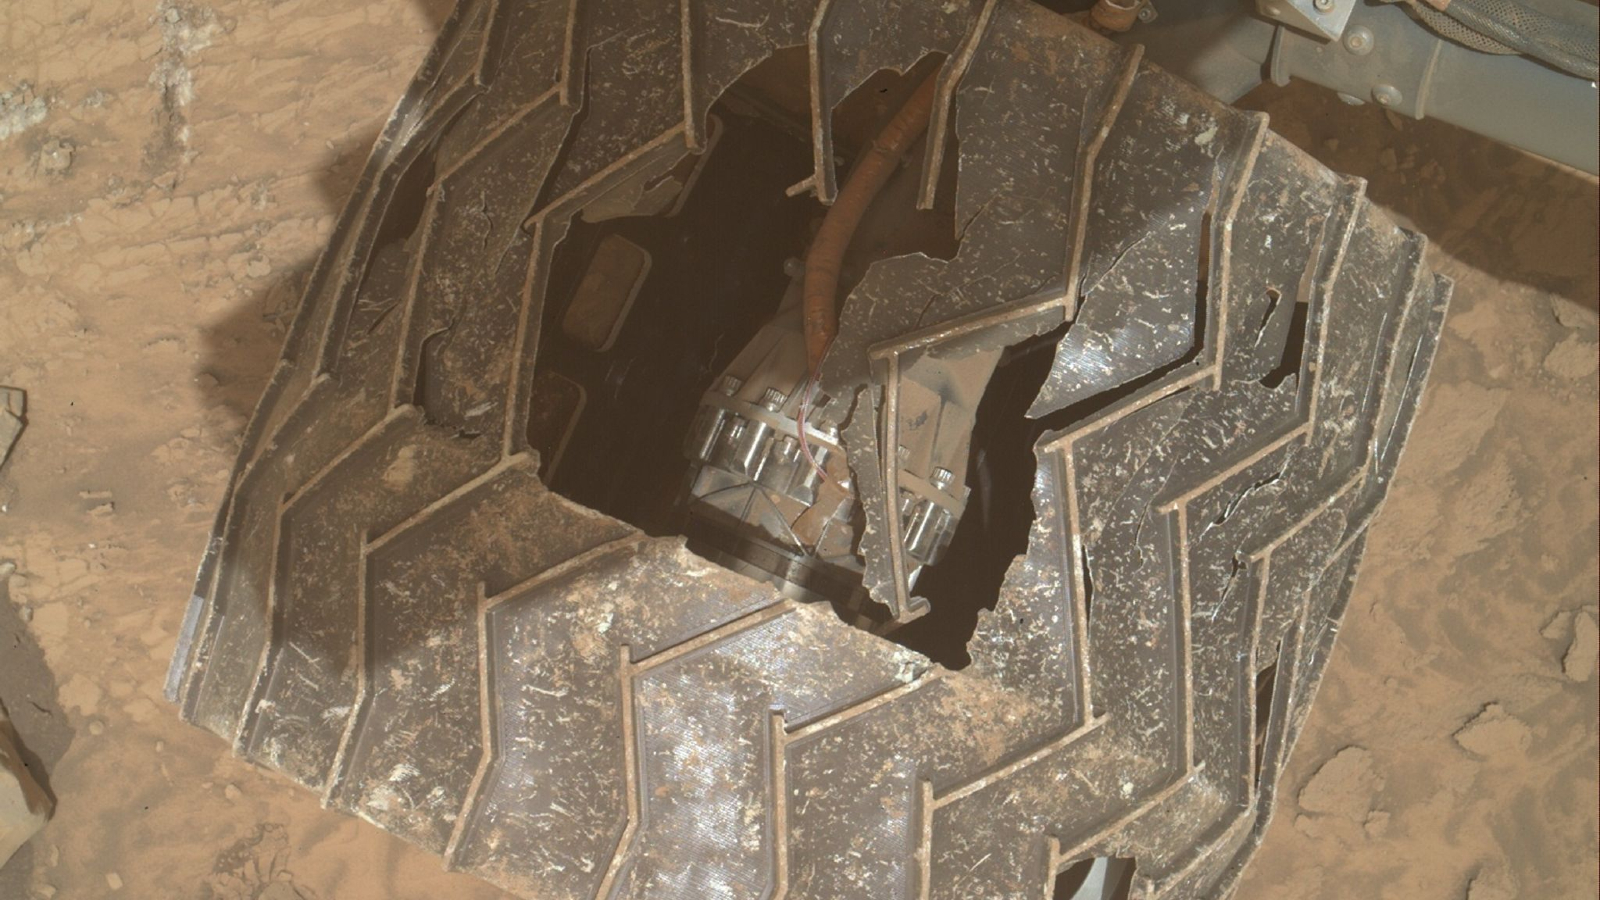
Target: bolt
(1147, 13)
(1350, 99)
(942, 477)
(1387, 95)
(1324, 5)
(730, 384)
(773, 399)
(1358, 40)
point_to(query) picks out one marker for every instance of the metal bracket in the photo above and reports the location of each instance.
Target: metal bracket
(1325, 19)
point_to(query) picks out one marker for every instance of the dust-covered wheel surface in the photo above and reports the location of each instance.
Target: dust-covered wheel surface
(1218, 345)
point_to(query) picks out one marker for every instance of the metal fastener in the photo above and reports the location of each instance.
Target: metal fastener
(1358, 40)
(1324, 5)
(1387, 95)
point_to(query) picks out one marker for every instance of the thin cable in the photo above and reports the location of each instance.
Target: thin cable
(805, 408)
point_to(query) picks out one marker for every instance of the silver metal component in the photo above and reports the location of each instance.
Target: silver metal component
(1387, 95)
(1323, 19)
(755, 497)
(1512, 99)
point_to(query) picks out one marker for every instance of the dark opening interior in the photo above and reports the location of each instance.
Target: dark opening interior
(1266, 683)
(610, 425)
(1292, 353)
(716, 275)
(994, 529)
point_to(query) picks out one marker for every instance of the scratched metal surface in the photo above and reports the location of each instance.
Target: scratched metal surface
(395, 612)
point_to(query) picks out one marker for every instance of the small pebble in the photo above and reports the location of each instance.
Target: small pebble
(97, 727)
(231, 792)
(114, 881)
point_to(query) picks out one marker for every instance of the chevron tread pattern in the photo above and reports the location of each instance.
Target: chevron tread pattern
(395, 612)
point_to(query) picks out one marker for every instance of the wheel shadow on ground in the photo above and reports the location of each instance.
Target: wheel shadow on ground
(28, 691)
(239, 351)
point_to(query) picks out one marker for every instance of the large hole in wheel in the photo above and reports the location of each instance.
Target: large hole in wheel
(644, 311)
(1096, 878)
(610, 424)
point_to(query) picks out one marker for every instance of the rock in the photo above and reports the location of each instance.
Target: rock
(1558, 626)
(20, 109)
(1344, 786)
(1582, 653)
(1572, 359)
(1492, 884)
(1494, 733)
(1574, 316)
(24, 806)
(231, 792)
(55, 157)
(13, 406)
(114, 881)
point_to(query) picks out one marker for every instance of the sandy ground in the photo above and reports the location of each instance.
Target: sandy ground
(167, 173)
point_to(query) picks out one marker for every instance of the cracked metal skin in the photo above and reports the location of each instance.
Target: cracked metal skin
(396, 612)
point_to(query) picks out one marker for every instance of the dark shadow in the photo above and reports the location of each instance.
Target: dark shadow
(1510, 214)
(436, 12)
(716, 275)
(28, 693)
(239, 351)
(993, 531)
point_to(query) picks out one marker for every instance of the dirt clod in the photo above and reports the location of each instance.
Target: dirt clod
(1579, 663)
(1494, 734)
(1493, 883)
(1344, 786)
(1572, 359)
